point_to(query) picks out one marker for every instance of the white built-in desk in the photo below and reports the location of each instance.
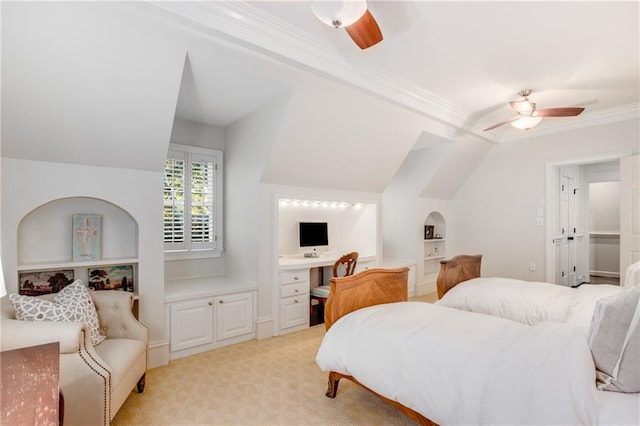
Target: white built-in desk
(205, 313)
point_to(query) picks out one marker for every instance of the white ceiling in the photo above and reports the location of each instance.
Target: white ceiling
(457, 62)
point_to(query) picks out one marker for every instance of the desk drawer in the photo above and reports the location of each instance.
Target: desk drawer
(294, 276)
(295, 289)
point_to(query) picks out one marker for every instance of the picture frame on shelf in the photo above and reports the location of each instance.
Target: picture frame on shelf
(429, 232)
(87, 237)
(35, 283)
(111, 277)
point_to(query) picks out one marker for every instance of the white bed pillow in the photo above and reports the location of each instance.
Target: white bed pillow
(614, 339)
(527, 302)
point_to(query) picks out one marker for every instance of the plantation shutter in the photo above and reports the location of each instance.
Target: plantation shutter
(202, 209)
(174, 201)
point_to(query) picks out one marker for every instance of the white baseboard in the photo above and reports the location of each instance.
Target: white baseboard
(158, 354)
(264, 328)
(605, 274)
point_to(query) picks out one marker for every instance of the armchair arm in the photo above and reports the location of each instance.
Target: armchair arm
(116, 317)
(19, 334)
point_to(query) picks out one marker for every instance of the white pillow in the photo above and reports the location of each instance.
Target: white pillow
(72, 303)
(614, 339)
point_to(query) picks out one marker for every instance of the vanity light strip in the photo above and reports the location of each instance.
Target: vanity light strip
(316, 203)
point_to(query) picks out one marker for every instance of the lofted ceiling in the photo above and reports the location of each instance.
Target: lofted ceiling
(456, 62)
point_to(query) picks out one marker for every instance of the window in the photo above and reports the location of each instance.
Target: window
(192, 202)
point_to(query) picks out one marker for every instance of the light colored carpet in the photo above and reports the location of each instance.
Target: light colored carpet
(273, 381)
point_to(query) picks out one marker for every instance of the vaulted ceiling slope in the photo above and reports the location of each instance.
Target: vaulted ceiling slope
(101, 83)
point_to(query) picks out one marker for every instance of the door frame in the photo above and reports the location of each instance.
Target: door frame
(552, 211)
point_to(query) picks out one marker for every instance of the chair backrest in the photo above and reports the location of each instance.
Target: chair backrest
(350, 260)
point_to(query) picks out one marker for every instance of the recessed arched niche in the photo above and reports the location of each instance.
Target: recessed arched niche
(45, 236)
(435, 232)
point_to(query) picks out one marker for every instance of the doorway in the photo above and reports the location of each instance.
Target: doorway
(570, 252)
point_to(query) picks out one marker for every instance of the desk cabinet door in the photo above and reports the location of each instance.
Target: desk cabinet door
(294, 311)
(191, 323)
(234, 315)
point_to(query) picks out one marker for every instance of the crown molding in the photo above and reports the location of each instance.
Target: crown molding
(265, 32)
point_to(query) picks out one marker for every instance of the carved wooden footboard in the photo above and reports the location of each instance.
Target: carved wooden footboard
(456, 270)
(368, 288)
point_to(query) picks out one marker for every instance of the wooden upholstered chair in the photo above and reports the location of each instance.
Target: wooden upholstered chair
(343, 267)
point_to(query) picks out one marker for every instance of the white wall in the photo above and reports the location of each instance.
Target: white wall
(350, 227)
(494, 213)
(27, 185)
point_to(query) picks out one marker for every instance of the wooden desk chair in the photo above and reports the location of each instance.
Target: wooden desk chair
(346, 263)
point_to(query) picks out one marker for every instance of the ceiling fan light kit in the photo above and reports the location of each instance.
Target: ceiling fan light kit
(339, 14)
(528, 116)
(352, 15)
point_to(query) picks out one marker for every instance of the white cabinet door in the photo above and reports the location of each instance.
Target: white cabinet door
(234, 315)
(191, 323)
(294, 311)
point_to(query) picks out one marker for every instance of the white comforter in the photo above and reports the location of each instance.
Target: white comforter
(528, 302)
(456, 367)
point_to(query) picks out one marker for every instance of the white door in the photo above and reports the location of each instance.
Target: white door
(629, 212)
(566, 252)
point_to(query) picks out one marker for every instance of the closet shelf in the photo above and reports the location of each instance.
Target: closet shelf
(64, 265)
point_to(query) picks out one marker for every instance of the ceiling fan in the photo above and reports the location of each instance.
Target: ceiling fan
(352, 15)
(528, 116)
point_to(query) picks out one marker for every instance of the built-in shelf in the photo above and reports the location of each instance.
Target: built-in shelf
(434, 257)
(68, 265)
(434, 240)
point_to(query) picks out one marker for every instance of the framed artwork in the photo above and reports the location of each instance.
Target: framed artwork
(428, 232)
(34, 283)
(113, 277)
(87, 236)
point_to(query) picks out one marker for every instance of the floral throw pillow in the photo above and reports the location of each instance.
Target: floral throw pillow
(76, 298)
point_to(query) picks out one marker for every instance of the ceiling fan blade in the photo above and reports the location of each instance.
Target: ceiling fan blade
(559, 112)
(365, 32)
(502, 123)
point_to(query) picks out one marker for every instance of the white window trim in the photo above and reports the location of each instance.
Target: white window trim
(183, 254)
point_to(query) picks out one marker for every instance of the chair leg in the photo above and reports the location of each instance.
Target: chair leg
(141, 383)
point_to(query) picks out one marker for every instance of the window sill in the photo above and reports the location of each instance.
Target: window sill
(191, 255)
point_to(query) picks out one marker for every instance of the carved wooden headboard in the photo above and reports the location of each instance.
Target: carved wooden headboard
(368, 288)
(456, 270)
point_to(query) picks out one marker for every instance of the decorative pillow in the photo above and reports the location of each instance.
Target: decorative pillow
(614, 339)
(76, 298)
(72, 303)
(29, 308)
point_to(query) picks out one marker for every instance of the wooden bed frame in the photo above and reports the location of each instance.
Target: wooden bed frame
(378, 286)
(456, 270)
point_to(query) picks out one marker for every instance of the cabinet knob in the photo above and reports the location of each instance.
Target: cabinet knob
(295, 300)
(210, 303)
(296, 290)
(221, 301)
(295, 278)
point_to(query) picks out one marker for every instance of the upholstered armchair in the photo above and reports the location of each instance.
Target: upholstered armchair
(94, 380)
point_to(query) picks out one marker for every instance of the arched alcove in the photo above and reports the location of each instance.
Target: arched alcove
(45, 237)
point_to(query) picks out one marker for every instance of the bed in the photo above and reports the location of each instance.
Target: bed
(446, 366)
(460, 286)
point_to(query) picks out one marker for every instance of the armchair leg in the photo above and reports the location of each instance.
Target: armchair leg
(141, 382)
